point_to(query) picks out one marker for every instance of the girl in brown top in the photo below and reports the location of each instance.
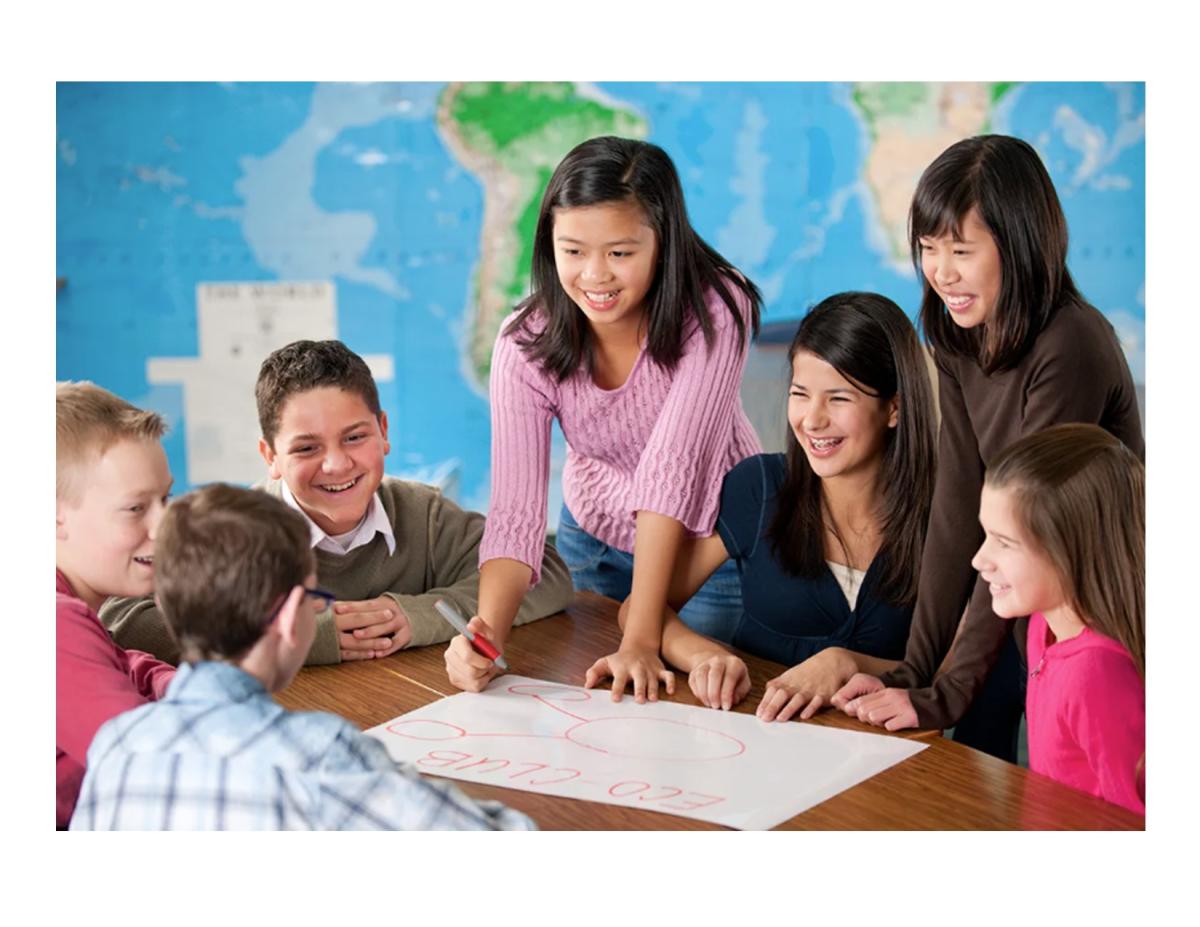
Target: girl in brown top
(1017, 349)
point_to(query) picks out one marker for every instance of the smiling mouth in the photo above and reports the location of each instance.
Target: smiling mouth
(334, 488)
(822, 446)
(601, 300)
(957, 303)
(144, 561)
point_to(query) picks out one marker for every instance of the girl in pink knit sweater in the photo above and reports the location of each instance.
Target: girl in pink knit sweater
(1063, 511)
(634, 339)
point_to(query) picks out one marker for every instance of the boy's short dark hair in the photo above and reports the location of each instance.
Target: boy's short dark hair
(304, 365)
(224, 557)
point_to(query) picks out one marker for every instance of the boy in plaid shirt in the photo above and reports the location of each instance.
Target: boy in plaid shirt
(234, 578)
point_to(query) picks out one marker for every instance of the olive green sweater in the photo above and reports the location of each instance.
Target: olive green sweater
(436, 556)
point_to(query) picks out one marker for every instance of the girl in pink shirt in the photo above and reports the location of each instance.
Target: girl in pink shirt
(634, 339)
(1063, 512)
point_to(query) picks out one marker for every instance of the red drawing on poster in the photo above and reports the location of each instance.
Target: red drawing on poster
(626, 736)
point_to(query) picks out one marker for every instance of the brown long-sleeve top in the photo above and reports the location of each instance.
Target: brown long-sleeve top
(1075, 372)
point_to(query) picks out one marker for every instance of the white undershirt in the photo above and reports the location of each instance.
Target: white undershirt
(374, 521)
(849, 579)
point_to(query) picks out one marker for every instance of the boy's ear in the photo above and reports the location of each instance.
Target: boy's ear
(60, 521)
(269, 455)
(387, 448)
(285, 622)
(894, 412)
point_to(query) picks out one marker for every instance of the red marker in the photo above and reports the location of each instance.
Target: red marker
(480, 643)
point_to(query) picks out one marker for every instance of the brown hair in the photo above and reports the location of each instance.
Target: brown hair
(1005, 181)
(869, 340)
(1080, 496)
(304, 365)
(88, 421)
(224, 557)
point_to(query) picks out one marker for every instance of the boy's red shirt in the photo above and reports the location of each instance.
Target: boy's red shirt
(96, 681)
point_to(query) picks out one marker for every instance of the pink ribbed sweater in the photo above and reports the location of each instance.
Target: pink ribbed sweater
(661, 442)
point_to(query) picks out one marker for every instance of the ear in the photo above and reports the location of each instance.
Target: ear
(60, 521)
(286, 621)
(387, 448)
(894, 412)
(269, 455)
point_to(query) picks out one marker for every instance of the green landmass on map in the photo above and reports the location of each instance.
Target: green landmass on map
(896, 100)
(514, 135)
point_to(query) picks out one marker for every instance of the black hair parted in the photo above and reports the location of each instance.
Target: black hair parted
(1005, 181)
(608, 169)
(869, 340)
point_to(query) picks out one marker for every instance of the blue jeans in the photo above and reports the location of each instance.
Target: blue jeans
(713, 611)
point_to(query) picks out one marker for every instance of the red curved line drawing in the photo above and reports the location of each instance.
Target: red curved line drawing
(462, 732)
(523, 689)
(738, 747)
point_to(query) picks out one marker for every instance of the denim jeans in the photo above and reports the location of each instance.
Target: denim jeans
(714, 610)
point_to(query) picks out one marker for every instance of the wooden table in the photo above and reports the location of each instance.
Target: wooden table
(946, 787)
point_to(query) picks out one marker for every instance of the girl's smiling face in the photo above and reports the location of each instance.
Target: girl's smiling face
(1019, 575)
(841, 429)
(965, 272)
(606, 257)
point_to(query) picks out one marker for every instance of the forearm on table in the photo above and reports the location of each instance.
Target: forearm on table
(654, 548)
(874, 666)
(502, 585)
(684, 648)
(975, 652)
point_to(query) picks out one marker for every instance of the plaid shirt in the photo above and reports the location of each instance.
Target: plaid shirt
(217, 753)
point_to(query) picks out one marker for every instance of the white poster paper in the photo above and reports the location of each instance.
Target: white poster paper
(722, 767)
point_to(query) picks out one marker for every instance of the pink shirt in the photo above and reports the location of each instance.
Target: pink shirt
(661, 442)
(96, 681)
(1085, 707)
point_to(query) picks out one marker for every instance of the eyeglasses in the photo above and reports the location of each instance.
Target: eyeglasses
(320, 599)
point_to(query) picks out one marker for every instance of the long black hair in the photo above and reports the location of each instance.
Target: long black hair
(1004, 179)
(869, 341)
(621, 170)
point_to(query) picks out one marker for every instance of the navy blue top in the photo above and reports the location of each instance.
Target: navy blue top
(788, 618)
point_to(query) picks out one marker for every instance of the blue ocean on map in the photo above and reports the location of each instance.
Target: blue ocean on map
(164, 187)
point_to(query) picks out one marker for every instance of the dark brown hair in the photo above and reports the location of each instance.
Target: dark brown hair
(621, 170)
(304, 365)
(224, 557)
(1080, 496)
(869, 341)
(1004, 180)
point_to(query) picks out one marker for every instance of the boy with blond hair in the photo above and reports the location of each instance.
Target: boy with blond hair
(111, 487)
(235, 581)
(387, 548)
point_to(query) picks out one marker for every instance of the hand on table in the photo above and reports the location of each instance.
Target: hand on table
(638, 665)
(864, 697)
(370, 628)
(806, 687)
(720, 680)
(468, 669)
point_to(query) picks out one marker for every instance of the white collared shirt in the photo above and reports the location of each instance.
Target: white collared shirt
(375, 520)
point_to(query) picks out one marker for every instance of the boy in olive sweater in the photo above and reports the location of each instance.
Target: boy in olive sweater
(387, 548)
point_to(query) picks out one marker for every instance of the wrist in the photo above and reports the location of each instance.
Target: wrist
(642, 642)
(703, 655)
(843, 661)
(496, 632)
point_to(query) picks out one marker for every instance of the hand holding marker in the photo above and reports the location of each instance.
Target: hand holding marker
(480, 643)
